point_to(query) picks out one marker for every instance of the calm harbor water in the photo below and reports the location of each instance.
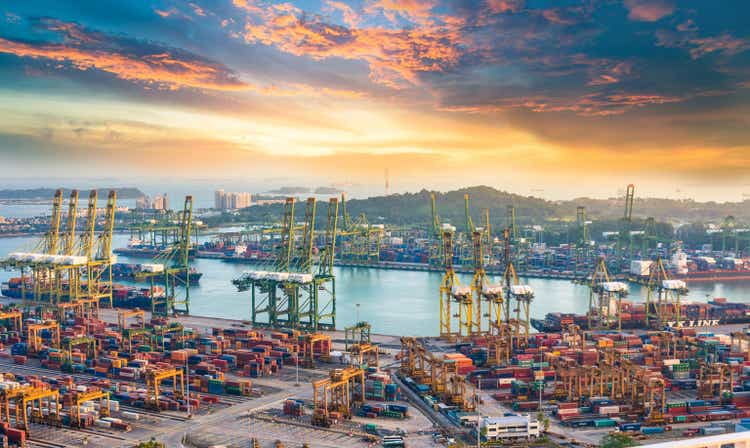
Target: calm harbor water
(394, 302)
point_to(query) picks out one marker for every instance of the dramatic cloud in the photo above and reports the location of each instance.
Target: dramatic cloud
(648, 10)
(126, 59)
(481, 87)
(395, 57)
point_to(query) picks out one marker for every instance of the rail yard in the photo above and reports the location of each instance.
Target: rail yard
(88, 361)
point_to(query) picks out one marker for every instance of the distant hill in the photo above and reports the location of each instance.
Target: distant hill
(327, 190)
(290, 190)
(414, 208)
(48, 193)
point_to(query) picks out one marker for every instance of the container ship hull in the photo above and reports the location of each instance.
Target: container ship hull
(712, 314)
(123, 296)
(135, 273)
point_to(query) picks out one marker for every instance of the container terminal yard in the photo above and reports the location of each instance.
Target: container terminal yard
(86, 361)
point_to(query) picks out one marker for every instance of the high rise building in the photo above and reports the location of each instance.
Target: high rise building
(232, 201)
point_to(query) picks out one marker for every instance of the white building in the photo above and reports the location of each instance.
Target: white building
(510, 427)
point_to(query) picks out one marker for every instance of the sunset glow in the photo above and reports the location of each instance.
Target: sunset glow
(516, 94)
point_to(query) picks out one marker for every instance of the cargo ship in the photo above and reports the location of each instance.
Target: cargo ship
(142, 272)
(716, 312)
(695, 270)
(123, 296)
(137, 248)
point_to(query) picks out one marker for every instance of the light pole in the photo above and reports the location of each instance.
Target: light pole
(296, 368)
(357, 321)
(479, 414)
(187, 381)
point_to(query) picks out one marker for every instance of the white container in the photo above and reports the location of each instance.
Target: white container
(152, 267)
(641, 267)
(614, 287)
(130, 415)
(102, 423)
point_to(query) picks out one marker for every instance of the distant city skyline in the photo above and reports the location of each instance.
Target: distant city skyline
(555, 99)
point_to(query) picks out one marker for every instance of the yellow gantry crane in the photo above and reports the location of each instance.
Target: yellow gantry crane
(337, 393)
(483, 290)
(522, 294)
(34, 340)
(362, 354)
(155, 377)
(440, 374)
(80, 398)
(15, 317)
(450, 291)
(28, 402)
(124, 315)
(308, 347)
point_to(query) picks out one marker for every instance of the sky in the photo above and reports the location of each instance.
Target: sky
(557, 99)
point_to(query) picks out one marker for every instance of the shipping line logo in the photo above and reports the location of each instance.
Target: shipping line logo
(693, 323)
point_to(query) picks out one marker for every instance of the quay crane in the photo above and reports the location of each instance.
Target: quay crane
(298, 290)
(605, 299)
(663, 301)
(451, 290)
(522, 294)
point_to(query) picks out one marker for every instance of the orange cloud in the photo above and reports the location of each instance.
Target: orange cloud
(725, 44)
(419, 11)
(395, 57)
(648, 10)
(591, 105)
(500, 6)
(162, 69)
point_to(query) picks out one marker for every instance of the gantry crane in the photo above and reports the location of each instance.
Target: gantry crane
(451, 290)
(605, 299)
(124, 315)
(364, 238)
(14, 316)
(624, 237)
(439, 373)
(663, 301)
(483, 290)
(34, 340)
(364, 354)
(143, 335)
(155, 377)
(740, 342)
(99, 284)
(80, 398)
(522, 295)
(299, 289)
(89, 343)
(309, 341)
(582, 241)
(714, 379)
(28, 402)
(340, 392)
(175, 277)
(436, 236)
(66, 279)
(359, 333)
